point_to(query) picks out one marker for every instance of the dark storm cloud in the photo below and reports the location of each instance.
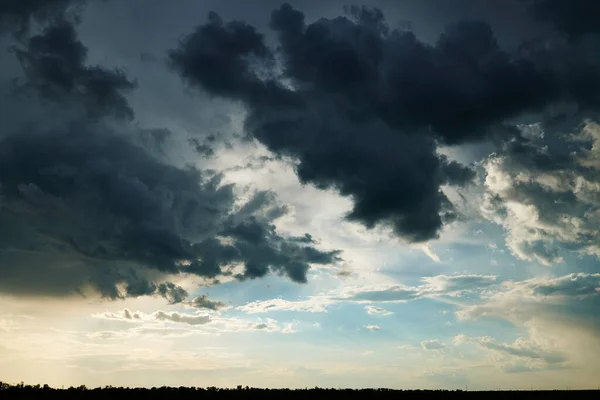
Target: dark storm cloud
(54, 63)
(395, 178)
(84, 206)
(255, 243)
(16, 16)
(457, 88)
(363, 106)
(217, 54)
(573, 17)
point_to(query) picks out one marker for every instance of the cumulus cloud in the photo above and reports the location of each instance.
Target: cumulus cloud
(373, 328)
(434, 344)
(545, 193)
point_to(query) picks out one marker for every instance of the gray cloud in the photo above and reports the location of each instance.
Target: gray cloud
(384, 294)
(173, 293)
(203, 302)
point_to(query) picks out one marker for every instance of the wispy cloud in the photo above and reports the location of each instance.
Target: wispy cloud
(432, 287)
(205, 322)
(313, 304)
(372, 310)
(433, 344)
(523, 353)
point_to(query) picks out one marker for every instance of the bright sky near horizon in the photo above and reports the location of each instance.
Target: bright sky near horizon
(401, 194)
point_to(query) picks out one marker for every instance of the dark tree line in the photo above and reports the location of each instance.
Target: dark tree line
(22, 391)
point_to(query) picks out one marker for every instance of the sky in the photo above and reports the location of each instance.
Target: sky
(400, 194)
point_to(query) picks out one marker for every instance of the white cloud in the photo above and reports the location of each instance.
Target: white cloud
(313, 304)
(372, 310)
(373, 328)
(456, 285)
(430, 253)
